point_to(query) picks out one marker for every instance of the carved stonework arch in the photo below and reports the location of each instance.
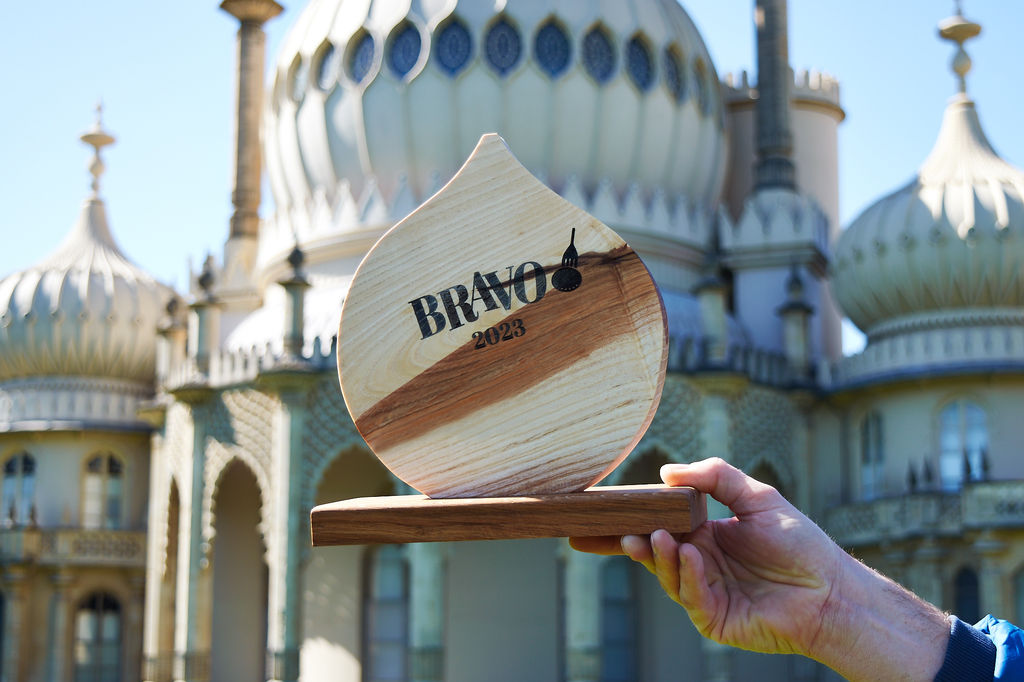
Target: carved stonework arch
(177, 441)
(167, 490)
(776, 472)
(329, 431)
(761, 434)
(218, 459)
(677, 424)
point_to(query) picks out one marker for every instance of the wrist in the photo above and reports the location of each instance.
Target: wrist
(872, 628)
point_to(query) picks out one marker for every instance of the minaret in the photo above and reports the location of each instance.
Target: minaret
(774, 140)
(236, 281)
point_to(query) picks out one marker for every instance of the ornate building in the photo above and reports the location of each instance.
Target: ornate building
(229, 407)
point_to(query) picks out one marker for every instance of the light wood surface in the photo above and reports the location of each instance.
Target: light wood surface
(602, 510)
(571, 331)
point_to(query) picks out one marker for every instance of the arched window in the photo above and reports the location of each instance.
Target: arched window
(19, 487)
(963, 439)
(872, 456)
(965, 596)
(618, 622)
(386, 616)
(102, 492)
(98, 639)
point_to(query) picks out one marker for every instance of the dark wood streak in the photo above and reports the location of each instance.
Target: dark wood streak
(560, 331)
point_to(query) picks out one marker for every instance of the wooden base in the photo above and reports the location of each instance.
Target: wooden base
(601, 510)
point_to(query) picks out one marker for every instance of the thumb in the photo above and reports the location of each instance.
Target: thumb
(724, 482)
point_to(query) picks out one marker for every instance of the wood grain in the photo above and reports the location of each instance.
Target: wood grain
(602, 510)
(552, 409)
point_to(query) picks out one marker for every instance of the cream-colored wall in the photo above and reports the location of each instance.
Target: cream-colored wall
(60, 460)
(910, 413)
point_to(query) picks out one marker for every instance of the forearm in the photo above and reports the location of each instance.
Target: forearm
(874, 629)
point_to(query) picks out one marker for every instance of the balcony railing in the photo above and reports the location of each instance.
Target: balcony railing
(978, 505)
(73, 546)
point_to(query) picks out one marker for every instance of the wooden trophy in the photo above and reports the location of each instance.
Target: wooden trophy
(501, 351)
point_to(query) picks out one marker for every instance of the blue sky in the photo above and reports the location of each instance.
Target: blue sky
(164, 72)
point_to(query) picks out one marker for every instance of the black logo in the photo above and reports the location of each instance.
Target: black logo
(526, 283)
(567, 277)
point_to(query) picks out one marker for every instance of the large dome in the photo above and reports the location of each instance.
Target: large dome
(376, 103)
(945, 249)
(85, 310)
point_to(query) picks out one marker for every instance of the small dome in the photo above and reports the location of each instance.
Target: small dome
(85, 310)
(949, 242)
(376, 104)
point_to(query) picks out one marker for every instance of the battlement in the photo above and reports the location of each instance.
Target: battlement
(812, 86)
(235, 367)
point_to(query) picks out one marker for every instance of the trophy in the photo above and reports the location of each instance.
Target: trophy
(501, 351)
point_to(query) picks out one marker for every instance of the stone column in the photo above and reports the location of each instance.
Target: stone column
(192, 626)
(927, 574)
(990, 578)
(717, 661)
(426, 611)
(132, 627)
(57, 658)
(14, 606)
(582, 617)
(289, 522)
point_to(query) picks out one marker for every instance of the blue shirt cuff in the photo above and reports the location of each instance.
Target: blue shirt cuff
(970, 655)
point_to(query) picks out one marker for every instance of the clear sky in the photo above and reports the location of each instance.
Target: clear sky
(164, 72)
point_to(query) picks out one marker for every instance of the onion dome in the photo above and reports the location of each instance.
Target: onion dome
(375, 104)
(947, 248)
(85, 310)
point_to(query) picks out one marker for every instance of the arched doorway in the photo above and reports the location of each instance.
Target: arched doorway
(238, 641)
(334, 577)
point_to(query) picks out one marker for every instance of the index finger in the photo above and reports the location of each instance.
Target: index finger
(604, 544)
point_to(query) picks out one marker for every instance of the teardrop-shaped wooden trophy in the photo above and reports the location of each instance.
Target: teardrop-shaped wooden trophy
(501, 351)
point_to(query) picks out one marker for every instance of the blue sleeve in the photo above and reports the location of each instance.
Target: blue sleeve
(970, 655)
(1009, 642)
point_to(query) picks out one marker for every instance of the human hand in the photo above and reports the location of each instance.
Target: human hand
(760, 580)
(770, 580)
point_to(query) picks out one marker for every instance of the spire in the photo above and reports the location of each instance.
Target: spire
(774, 140)
(959, 30)
(97, 138)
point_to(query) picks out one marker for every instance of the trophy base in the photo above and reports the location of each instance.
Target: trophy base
(601, 510)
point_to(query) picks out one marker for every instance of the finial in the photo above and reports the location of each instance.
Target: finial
(206, 277)
(295, 259)
(959, 30)
(97, 138)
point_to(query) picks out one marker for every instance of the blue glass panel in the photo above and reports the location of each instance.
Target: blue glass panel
(675, 76)
(405, 50)
(327, 70)
(639, 64)
(598, 55)
(502, 47)
(361, 59)
(454, 47)
(551, 49)
(703, 96)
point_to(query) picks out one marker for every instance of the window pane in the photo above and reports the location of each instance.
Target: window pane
(95, 465)
(113, 515)
(92, 505)
(114, 466)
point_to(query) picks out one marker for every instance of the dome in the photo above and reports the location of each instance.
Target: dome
(85, 310)
(376, 104)
(947, 246)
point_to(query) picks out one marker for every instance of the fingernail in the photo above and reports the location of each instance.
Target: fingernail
(674, 468)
